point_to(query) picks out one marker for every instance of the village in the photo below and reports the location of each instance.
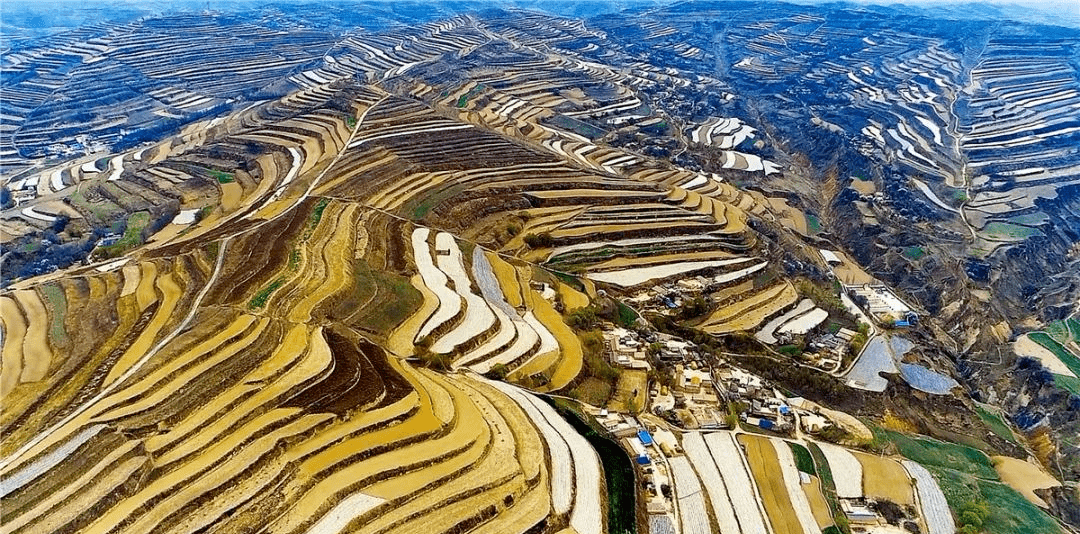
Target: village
(696, 395)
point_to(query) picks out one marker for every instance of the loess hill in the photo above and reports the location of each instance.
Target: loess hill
(327, 309)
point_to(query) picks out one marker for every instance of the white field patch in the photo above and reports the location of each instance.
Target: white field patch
(794, 487)
(56, 180)
(728, 457)
(185, 217)
(31, 213)
(1025, 346)
(805, 322)
(435, 280)
(562, 467)
(344, 512)
(846, 470)
(526, 340)
(639, 275)
(765, 335)
(698, 453)
(693, 515)
(935, 510)
(478, 316)
(111, 265)
(117, 166)
(505, 334)
(548, 343)
(294, 170)
(933, 197)
(587, 516)
(30, 472)
(740, 274)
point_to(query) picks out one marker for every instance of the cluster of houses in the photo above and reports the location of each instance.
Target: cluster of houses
(883, 304)
(671, 295)
(827, 350)
(630, 349)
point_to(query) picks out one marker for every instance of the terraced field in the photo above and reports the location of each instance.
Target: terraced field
(233, 375)
(290, 332)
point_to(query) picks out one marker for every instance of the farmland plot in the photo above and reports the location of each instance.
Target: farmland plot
(846, 469)
(586, 516)
(478, 316)
(741, 489)
(641, 275)
(719, 496)
(885, 478)
(771, 484)
(935, 510)
(694, 516)
(435, 280)
(796, 495)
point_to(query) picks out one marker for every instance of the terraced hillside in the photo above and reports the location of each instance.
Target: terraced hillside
(319, 286)
(263, 361)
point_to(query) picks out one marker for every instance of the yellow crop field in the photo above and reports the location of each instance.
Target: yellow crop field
(157, 377)
(818, 505)
(400, 341)
(316, 360)
(507, 276)
(573, 298)
(765, 467)
(337, 253)
(1024, 477)
(131, 274)
(171, 295)
(80, 489)
(749, 312)
(14, 333)
(885, 478)
(36, 353)
(571, 356)
(144, 293)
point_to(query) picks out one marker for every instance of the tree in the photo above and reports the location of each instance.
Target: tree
(497, 372)
(582, 318)
(541, 240)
